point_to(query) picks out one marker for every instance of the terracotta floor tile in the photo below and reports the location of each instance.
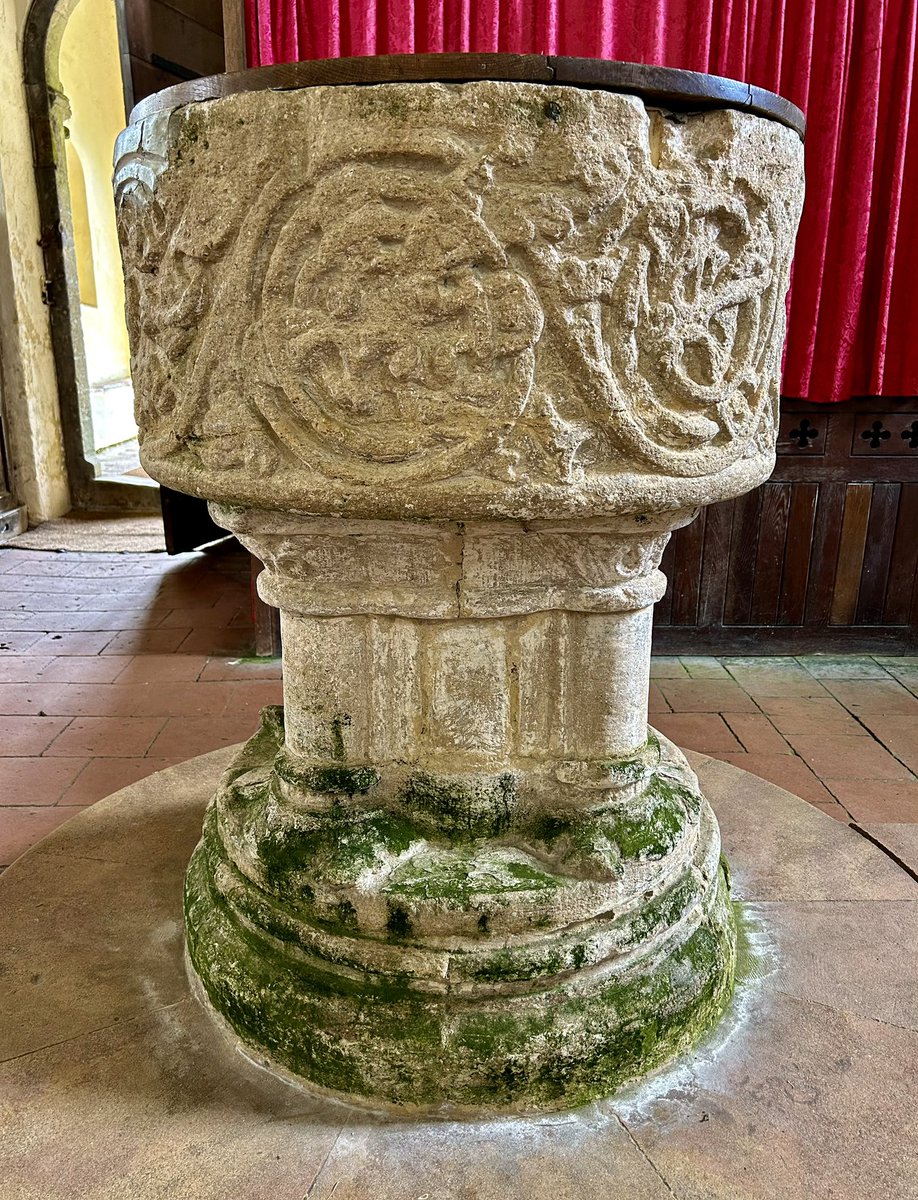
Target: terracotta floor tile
(160, 668)
(756, 733)
(656, 702)
(706, 695)
(763, 686)
(899, 734)
(847, 758)
(45, 622)
(247, 698)
(62, 585)
(219, 642)
(842, 666)
(22, 736)
(787, 771)
(195, 617)
(833, 810)
(123, 618)
(71, 643)
(872, 800)
(105, 737)
(18, 641)
(200, 699)
(37, 781)
(54, 566)
(185, 737)
(705, 732)
(816, 716)
(242, 668)
(704, 668)
(124, 569)
(39, 601)
(762, 663)
(873, 696)
(22, 668)
(102, 776)
(146, 641)
(90, 668)
(21, 828)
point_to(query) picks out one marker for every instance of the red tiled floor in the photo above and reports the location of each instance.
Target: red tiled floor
(862, 696)
(102, 776)
(756, 733)
(106, 737)
(899, 734)
(706, 732)
(847, 758)
(184, 737)
(141, 661)
(71, 643)
(146, 641)
(815, 715)
(706, 696)
(37, 781)
(870, 800)
(656, 702)
(23, 827)
(787, 771)
(163, 668)
(20, 736)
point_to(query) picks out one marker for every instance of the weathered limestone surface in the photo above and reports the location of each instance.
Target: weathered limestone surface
(453, 361)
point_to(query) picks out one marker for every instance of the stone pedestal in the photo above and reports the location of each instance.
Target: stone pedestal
(453, 360)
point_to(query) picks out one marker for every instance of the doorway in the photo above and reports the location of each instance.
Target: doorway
(86, 62)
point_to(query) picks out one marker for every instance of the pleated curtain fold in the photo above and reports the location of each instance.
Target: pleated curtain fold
(849, 64)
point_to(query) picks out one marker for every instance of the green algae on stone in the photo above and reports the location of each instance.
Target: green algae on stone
(460, 808)
(383, 1039)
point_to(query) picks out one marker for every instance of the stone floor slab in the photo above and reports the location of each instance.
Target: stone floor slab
(117, 1085)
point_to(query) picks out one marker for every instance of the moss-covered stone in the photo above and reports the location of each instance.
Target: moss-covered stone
(385, 1038)
(461, 808)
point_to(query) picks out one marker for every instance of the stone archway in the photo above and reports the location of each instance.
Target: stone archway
(48, 109)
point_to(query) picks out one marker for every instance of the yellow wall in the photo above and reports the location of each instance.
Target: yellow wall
(90, 72)
(27, 377)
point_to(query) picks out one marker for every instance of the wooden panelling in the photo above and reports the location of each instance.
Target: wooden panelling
(821, 557)
(830, 508)
(769, 557)
(796, 566)
(172, 40)
(747, 512)
(881, 524)
(718, 529)
(850, 553)
(687, 570)
(903, 564)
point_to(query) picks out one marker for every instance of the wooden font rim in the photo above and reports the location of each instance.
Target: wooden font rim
(665, 87)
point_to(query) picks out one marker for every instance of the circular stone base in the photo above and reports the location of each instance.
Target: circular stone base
(116, 1082)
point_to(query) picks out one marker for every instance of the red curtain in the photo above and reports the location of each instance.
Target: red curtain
(849, 64)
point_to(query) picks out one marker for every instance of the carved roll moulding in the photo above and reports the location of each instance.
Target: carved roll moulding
(454, 359)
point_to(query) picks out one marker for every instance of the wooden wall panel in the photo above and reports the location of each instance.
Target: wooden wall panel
(821, 557)
(747, 511)
(687, 571)
(851, 553)
(903, 566)
(881, 525)
(796, 566)
(769, 556)
(172, 40)
(830, 508)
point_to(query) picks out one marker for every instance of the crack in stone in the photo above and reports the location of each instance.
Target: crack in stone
(845, 1012)
(645, 1156)
(315, 1179)
(890, 854)
(144, 1012)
